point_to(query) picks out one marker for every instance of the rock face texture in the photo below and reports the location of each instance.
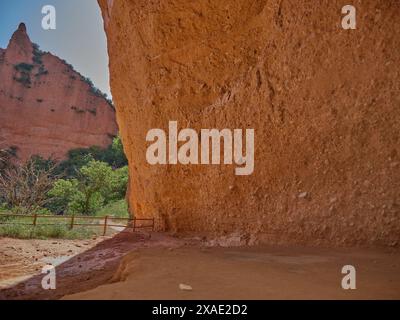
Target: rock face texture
(47, 108)
(324, 103)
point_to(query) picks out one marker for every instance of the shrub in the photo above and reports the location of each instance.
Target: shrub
(77, 158)
(42, 71)
(97, 92)
(117, 156)
(61, 195)
(25, 186)
(95, 185)
(80, 191)
(86, 203)
(24, 79)
(119, 182)
(37, 60)
(24, 67)
(44, 164)
(92, 88)
(37, 54)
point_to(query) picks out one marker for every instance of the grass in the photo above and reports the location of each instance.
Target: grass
(117, 209)
(58, 231)
(19, 229)
(50, 227)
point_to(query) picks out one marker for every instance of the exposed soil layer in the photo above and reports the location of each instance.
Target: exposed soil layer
(324, 103)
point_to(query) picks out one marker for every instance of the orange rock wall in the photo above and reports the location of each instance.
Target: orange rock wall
(324, 103)
(56, 112)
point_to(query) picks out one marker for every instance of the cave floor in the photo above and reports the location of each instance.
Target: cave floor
(137, 267)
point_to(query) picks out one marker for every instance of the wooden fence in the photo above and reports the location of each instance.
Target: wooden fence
(75, 220)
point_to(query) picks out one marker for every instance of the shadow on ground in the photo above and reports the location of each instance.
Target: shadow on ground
(153, 266)
(82, 272)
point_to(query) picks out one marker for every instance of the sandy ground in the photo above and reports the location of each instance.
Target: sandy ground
(131, 266)
(256, 273)
(80, 264)
(22, 259)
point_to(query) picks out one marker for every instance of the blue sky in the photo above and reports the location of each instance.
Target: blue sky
(78, 39)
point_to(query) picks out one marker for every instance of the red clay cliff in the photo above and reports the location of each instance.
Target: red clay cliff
(47, 108)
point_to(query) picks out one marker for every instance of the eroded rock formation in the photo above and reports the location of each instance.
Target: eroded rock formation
(324, 103)
(47, 108)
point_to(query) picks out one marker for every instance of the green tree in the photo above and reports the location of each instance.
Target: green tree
(119, 182)
(95, 185)
(77, 158)
(118, 153)
(61, 195)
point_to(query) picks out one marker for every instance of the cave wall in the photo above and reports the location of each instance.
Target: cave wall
(324, 103)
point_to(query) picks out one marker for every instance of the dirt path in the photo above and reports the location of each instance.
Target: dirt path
(21, 259)
(131, 266)
(80, 265)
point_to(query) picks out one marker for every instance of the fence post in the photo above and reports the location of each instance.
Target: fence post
(105, 225)
(71, 226)
(34, 219)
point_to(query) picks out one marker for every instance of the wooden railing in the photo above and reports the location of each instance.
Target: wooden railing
(71, 221)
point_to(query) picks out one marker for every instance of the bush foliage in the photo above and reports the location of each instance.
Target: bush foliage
(83, 184)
